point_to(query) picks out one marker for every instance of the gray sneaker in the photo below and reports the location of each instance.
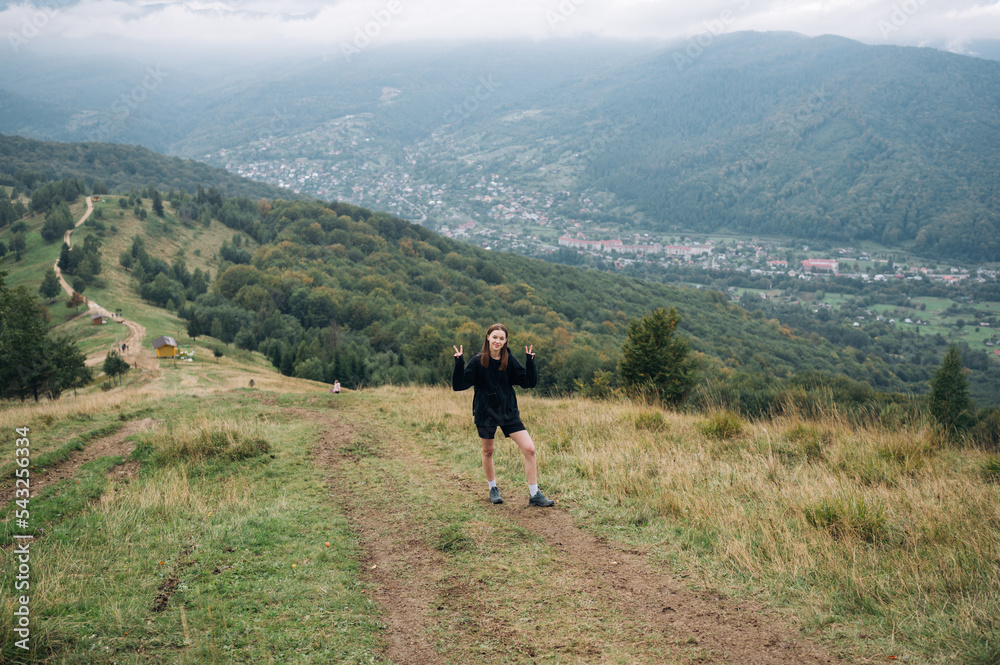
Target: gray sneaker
(495, 495)
(540, 500)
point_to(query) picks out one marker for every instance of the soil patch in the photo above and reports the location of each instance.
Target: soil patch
(401, 567)
(168, 586)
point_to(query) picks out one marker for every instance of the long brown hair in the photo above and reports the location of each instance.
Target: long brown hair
(484, 357)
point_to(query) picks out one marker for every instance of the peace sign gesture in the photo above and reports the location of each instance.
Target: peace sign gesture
(530, 351)
(458, 350)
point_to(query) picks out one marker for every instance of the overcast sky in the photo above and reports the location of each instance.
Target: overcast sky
(312, 27)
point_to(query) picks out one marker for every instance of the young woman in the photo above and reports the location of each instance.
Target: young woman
(494, 372)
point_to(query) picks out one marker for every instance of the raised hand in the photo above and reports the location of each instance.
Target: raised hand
(529, 350)
(458, 350)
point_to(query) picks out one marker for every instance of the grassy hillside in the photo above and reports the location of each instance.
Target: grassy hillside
(113, 288)
(333, 291)
(188, 517)
(400, 296)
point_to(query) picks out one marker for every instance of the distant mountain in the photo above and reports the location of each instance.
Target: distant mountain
(28, 117)
(121, 167)
(755, 133)
(811, 138)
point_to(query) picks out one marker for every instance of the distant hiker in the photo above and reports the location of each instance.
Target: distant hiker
(336, 387)
(493, 373)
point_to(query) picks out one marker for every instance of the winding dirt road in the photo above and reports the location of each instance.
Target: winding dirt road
(134, 354)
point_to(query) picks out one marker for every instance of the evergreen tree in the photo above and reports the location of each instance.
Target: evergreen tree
(949, 397)
(65, 259)
(287, 362)
(22, 331)
(32, 364)
(654, 358)
(157, 203)
(50, 285)
(69, 366)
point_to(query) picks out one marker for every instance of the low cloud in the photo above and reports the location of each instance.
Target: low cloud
(265, 27)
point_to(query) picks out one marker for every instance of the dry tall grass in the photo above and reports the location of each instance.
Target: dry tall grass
(21, 414)
(848, 523)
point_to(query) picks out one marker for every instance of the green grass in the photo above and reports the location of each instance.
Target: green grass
(37, 257)
(212, 554)
(52, 441)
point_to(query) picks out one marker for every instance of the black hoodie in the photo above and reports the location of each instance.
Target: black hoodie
(494, 403)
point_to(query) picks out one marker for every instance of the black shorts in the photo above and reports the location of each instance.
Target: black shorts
(490, 431)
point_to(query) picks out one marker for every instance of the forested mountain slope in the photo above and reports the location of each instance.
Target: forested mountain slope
(810, 138)
(119, 167)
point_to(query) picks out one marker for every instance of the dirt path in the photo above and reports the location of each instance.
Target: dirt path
(390, 545)
(134, 353)
(68, 468)
(411, 577)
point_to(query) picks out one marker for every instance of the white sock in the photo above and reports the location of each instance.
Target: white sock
(492, 483)
(532, 490)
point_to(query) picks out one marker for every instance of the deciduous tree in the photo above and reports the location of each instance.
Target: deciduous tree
(50, 285)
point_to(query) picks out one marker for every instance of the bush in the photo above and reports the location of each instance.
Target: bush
(650, 420)
(725, 425)
(991, 470)
(810, 440)
(850, 518)
(226, 441)
(986, 431)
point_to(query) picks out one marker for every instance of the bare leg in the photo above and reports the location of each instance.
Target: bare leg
(524, 442)
(488, 460)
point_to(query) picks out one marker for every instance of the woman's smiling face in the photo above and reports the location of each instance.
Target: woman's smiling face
(497, 340)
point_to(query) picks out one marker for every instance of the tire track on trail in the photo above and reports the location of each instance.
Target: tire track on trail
(113, 444)
(388, 546)
(135, 354)
(652, 602)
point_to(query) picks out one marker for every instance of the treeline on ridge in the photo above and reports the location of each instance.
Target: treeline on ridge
(27, 163)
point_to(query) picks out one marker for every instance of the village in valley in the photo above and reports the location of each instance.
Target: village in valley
(523, 210)
(520, 199)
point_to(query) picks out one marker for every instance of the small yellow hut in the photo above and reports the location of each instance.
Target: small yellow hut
(166, 347)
